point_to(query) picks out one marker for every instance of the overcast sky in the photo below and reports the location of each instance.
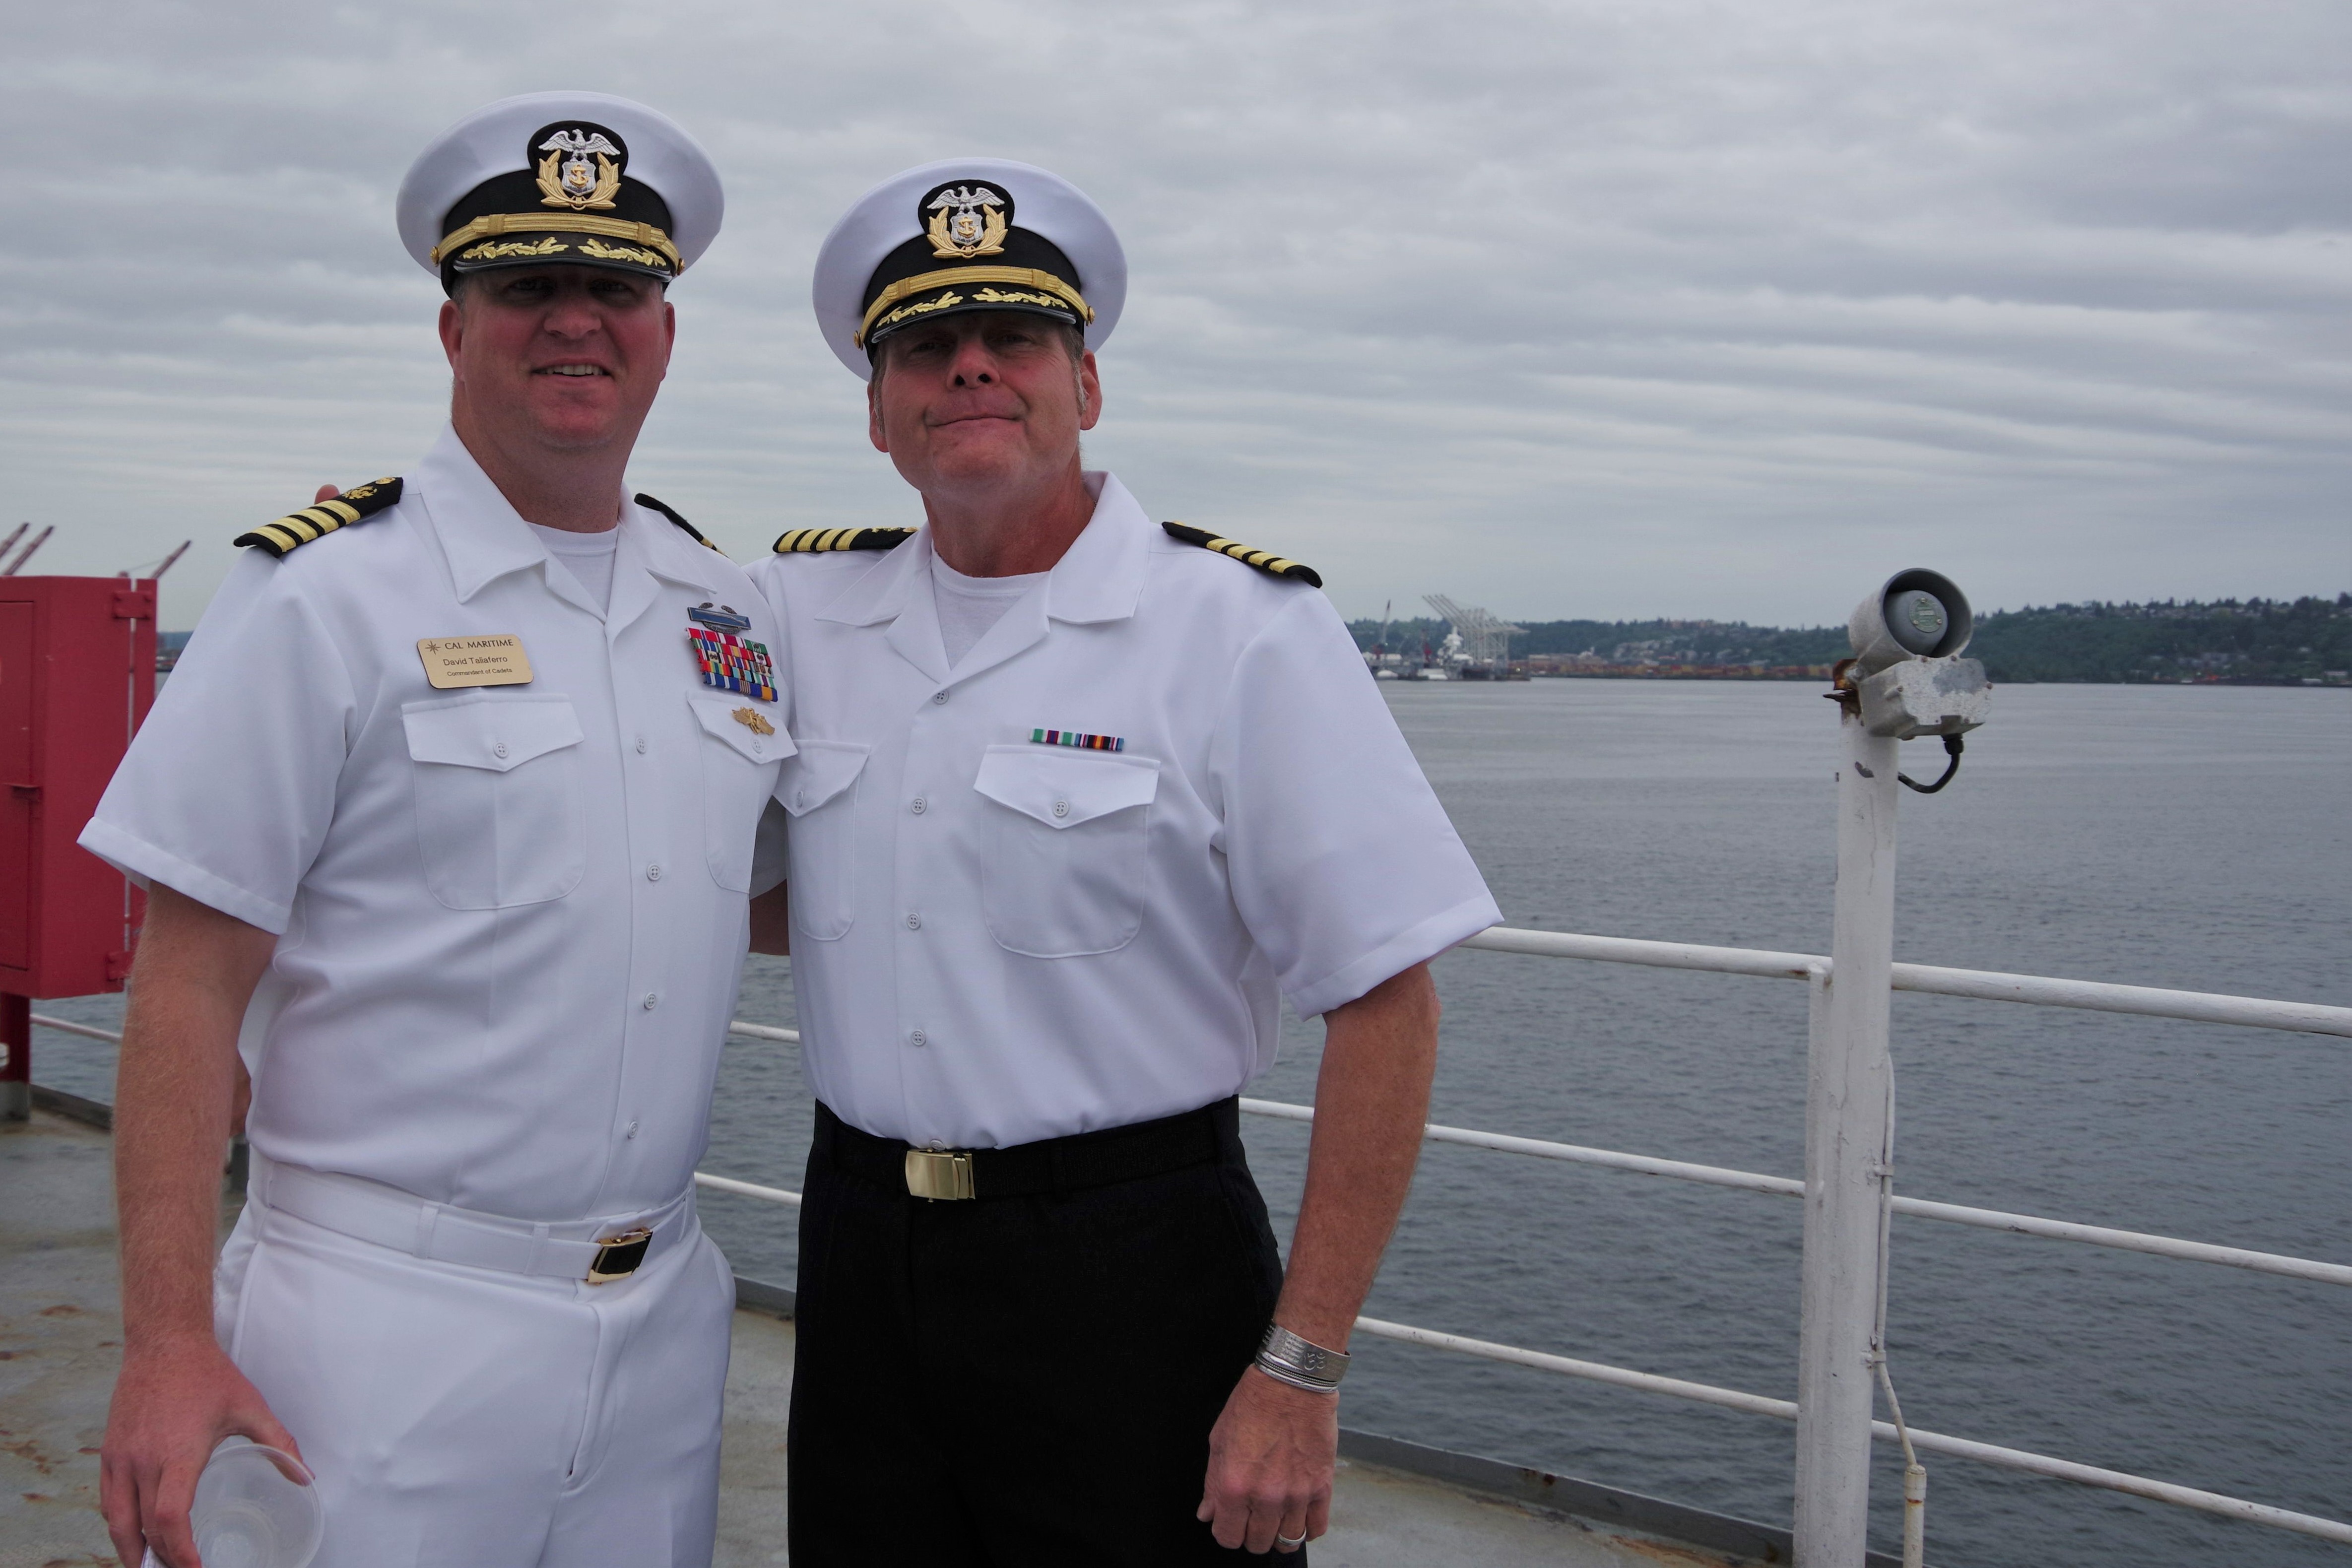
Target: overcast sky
(1612, 310)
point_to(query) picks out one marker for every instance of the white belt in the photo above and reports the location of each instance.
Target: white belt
(598, 1251)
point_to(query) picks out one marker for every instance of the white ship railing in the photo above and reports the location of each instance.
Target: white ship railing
(2033, 990)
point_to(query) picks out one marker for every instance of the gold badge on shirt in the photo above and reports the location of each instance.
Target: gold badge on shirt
(752, 720)
(452, 662)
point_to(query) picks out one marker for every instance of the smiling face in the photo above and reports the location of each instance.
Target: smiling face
(557, 359)
(986, 404)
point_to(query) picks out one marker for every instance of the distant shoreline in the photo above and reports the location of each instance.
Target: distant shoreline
(1742, 677)
(2254, 642)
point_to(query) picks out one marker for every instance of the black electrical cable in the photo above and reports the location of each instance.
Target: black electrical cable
(1951, 749)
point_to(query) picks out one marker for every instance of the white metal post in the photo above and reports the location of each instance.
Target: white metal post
(1845, 1133)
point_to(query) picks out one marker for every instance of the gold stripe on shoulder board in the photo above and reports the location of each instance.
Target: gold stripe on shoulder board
(822, 540)
(322, 518)
(1266, 561)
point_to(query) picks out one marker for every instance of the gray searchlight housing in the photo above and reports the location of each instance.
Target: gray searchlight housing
(1918, 614)
(1906, 640)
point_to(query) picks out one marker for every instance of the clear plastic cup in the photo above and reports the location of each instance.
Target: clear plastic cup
(247, 1514)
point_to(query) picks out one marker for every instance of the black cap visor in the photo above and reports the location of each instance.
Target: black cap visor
(953, 301)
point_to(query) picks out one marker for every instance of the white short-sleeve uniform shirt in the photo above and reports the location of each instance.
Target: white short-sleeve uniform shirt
(511, 919)
(998, 939)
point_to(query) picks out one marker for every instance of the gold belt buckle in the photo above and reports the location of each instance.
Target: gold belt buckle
(939, 1173)
(619, 1255)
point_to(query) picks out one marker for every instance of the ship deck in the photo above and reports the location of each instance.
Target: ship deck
(60, 1338)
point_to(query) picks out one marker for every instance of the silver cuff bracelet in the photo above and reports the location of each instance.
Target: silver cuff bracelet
(1285, 1357)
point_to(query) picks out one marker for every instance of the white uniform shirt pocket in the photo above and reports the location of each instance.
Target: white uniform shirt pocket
(818, 788)
(1067, 867)
(738, 774)
(499, 816)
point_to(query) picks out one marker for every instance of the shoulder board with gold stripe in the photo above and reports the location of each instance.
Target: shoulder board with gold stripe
(1266, 561)
(299, 527)
(692, 533)
(802, 540)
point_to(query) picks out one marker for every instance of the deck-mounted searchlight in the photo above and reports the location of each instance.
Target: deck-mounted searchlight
(1906, 667)
(1907, 678)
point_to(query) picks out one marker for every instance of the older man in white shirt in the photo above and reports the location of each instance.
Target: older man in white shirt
(1078, 798)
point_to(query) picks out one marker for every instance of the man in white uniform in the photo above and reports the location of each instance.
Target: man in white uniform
(447, 816)
(1078, 798)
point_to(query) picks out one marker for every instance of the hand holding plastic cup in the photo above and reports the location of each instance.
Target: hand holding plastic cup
(249, 1514)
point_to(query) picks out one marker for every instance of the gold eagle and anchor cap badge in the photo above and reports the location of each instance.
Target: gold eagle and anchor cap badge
(580, 179)
(972, 234)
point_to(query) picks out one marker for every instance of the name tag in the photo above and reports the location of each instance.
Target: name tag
(474, 661)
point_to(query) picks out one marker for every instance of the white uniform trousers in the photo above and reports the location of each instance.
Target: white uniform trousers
(458, 1417)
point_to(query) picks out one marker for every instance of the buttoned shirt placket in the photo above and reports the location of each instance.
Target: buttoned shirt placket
(638, 678)
(925, 772)
(636, 592)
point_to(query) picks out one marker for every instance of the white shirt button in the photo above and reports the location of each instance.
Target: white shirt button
(917, 1037)
(759, 747)
(641, 745)
(938, 696)
(653, 999)
(1061, 808)
(800, 797)
(500, 749)
(652, 873)
(918, 805)
(914, 920)
(631, 1131)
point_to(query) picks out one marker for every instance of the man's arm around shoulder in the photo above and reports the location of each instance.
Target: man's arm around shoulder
(179, 1394)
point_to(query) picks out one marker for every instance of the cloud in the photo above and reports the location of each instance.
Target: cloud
(1694, 308)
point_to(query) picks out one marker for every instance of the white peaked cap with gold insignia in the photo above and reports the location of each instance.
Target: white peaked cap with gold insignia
(967, 234)
(578, 178)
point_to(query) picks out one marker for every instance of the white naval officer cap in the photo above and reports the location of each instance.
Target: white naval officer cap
(578, 178)
(968, 234)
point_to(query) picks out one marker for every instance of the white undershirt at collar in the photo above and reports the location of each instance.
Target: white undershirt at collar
(587, 556)
(969, 606)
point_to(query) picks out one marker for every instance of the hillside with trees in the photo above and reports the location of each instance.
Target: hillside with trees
(2230, 641)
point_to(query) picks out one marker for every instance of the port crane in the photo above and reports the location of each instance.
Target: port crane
(1486, 641)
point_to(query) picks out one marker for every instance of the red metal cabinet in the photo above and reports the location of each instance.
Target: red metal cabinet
(76, 674)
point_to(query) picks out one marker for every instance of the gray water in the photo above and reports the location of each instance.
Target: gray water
(2191, 837)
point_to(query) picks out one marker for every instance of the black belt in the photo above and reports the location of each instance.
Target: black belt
(1082, 1160)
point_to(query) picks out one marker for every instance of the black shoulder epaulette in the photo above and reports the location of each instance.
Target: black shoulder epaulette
(691, 531)
(801, 541)
(296, 529)
(1266, 561)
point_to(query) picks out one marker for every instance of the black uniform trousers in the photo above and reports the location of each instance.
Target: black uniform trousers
(1025, 1380)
